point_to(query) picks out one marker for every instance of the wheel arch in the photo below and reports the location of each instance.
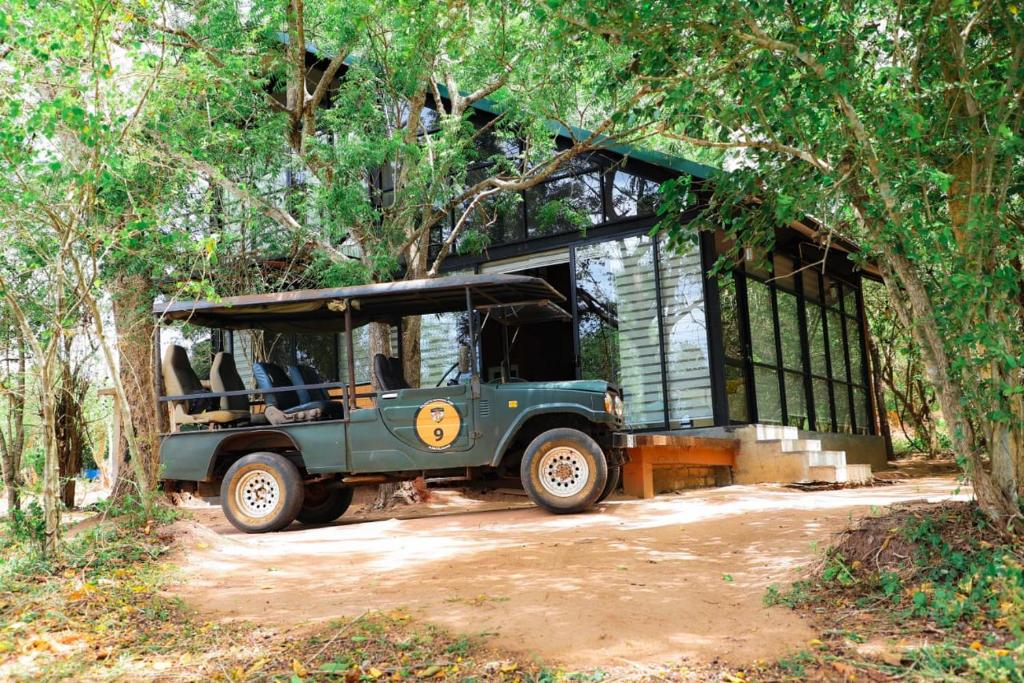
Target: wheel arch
(236, 446)
(540, 419)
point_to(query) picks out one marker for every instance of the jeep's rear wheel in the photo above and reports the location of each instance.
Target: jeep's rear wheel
(324, 504)
(564, 470)
(261, 492)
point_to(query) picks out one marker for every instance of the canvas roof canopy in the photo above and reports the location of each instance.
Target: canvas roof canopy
(323, 310)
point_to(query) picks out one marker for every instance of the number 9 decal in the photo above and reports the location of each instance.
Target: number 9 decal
(437, 424)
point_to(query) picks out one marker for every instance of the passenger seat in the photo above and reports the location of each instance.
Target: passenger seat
(272, 376)
(390, 374)
(306, 374)
(181, 380)
(224, 377)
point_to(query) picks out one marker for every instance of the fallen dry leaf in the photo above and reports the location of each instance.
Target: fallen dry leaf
(298, 669)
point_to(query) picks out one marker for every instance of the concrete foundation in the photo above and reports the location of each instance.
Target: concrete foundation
(682, 477)
(769, 453)
(860, 449)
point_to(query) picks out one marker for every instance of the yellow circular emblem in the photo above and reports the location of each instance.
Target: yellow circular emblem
(438, 423)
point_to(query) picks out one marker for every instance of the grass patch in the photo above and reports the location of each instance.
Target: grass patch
(926, 591)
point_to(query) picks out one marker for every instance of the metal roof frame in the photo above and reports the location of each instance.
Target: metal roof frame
(324, 310)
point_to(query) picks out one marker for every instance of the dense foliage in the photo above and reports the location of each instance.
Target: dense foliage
(896, 124)
(915, 571)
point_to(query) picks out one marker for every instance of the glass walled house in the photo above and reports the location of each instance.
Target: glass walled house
(779, 341)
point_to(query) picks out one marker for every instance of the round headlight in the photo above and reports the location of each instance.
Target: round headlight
(609, 404)
(620, 408)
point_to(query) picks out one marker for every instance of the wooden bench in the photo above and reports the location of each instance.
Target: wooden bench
(648, 451)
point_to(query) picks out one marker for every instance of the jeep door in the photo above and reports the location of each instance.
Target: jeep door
(430, 419)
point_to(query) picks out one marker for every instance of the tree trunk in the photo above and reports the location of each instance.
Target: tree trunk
(911, 302)
(51, 467)
(133, 319)
(12, 444)
(380, 343)
(878, 392)
(1005, 442)
(412, 326)
(69, 425)
(416, 267)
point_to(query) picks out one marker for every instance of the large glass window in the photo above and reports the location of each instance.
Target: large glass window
(766, 386)
(564, 205)
(835, 344)
(730, 318)
(319, 351)
(853, 336)
(500, 219)
(618, 324)
(822, 405)
(789, 331)
(687, 363)
(736, 393)
(816, 339)
(441, 334)
(361, 355)
(630, 194)
(762, 322)
(806, 347)
(844, 413)
(796, 401)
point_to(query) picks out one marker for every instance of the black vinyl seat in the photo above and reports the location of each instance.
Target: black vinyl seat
(272, 376)
(390, 374)
(305, 374)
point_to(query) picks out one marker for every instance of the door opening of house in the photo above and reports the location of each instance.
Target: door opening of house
(537, 352)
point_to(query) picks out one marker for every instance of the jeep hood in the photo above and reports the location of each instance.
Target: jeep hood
(598, 386)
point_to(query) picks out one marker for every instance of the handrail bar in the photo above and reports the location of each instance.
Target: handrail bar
(275, 390)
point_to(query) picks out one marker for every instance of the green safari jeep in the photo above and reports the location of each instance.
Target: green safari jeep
(295, 446)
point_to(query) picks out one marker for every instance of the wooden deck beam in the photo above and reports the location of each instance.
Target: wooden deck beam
(648, 451)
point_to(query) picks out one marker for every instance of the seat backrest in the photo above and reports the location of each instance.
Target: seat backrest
(389, 373)
(272, 376)
(305, 374)
(224, 377)
(181, 380)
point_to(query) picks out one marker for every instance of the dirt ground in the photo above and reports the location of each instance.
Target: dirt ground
(678, 577)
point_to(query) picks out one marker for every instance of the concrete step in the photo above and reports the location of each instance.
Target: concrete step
(842, 474)
(826, 458)
(859, 474)
(791, 445)
(827, 473)
(775, 432)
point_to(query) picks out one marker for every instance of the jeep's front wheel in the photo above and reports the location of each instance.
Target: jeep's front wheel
(261, 492)
(564, 470)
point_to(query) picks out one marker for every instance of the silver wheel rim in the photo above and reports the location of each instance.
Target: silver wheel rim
(257, 493)
(564, 471)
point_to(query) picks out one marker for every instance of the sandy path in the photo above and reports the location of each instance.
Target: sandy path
(645, 581)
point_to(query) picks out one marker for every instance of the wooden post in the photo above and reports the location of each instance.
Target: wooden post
(638, 475)
(351, 356)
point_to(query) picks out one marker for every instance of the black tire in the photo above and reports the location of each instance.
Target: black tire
(614, 477)
(262, 492)
(563, 468)
(324, 504)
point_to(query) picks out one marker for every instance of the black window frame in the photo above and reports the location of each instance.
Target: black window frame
(838, 388)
